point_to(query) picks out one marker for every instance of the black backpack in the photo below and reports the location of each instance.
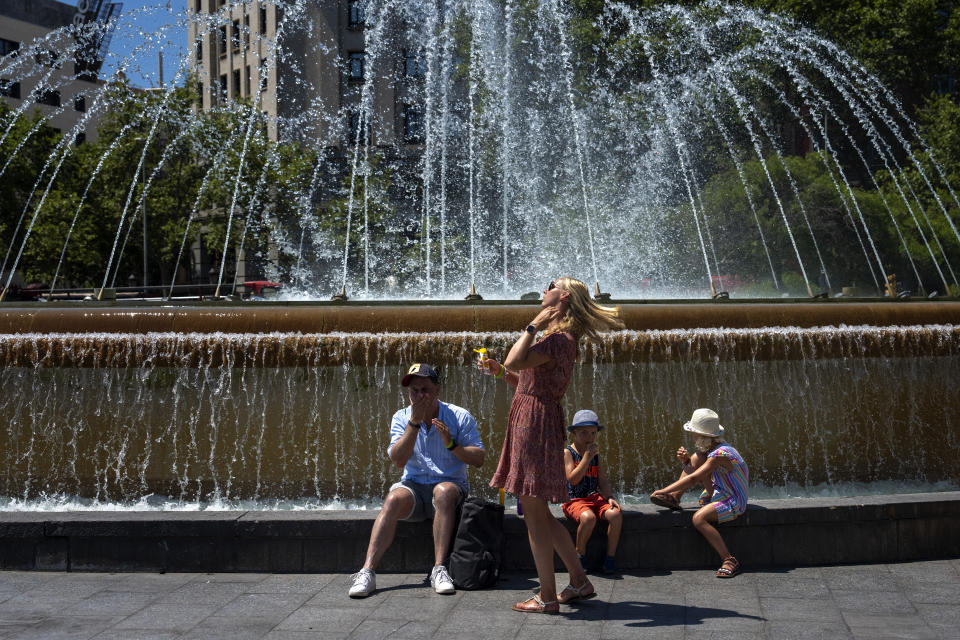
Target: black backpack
(478, 545)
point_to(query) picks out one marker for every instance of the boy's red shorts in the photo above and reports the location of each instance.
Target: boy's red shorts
(594, 502)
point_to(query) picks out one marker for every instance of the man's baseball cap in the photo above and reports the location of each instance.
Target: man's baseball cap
(420, 371)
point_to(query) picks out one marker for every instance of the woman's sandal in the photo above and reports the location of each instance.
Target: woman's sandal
(571, 593)
(729, 568)
(666, 500)
(536, 605)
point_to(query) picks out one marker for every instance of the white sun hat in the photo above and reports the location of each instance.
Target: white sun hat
(704, 422)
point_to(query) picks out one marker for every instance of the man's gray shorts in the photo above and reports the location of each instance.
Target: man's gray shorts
(423, 507)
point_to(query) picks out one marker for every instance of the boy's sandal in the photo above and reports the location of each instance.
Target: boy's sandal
(729, 568)
(536, 605)
(666, 500)
(571, 593)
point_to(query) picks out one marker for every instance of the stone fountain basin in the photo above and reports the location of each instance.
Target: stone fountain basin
(433, 316)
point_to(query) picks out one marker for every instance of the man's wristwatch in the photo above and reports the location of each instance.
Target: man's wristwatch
(531, 329)
(411, 423)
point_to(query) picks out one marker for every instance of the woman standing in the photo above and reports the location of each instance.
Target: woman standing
(531, 463)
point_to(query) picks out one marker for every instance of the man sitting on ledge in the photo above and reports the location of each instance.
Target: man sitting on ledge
(433, 442)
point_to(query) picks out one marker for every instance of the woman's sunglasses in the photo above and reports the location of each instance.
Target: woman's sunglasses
(553, 285)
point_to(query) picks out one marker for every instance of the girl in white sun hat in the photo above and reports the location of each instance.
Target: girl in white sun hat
(722, 472)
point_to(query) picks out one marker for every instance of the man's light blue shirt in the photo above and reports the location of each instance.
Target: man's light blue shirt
(431, 462)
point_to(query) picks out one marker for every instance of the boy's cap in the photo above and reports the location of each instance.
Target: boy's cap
(420, 371)
(704, 422)
(585, 418)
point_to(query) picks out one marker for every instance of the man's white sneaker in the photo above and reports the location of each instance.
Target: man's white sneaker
(364, 583)
(440, 580)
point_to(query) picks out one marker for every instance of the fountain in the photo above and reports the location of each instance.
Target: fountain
(526, 167)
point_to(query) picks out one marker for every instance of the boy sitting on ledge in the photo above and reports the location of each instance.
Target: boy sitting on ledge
(590, 495)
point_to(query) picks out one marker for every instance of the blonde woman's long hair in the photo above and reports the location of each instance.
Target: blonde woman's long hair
(585, 318)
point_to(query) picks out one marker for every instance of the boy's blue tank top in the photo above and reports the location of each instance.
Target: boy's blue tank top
(590, 483)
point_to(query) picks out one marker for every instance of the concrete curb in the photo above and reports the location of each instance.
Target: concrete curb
(810, 531)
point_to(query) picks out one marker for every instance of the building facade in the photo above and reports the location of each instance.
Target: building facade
(313, 79)
(59, 78)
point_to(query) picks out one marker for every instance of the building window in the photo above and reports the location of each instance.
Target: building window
(223, 39)
(944, 84)
(355, 17)
(355, 119)
(48, 58)
(246, 31)
(413, 128)
(249, 92)
(355, 67)
(222, 89)
(236, 83)
(199, 50)
(197, 6)
(413, 66)
(235, 35)
(86, 69)
(8, 47)
(49, 97)
(80, 139)
(10, 89)
(263, 20)
(79, 102)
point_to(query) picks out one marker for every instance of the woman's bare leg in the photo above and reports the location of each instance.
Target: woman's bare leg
(563, 545)
(537, 515)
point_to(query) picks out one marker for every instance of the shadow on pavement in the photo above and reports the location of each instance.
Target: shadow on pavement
(652, 614)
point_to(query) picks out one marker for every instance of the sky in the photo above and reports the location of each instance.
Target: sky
(143, 21)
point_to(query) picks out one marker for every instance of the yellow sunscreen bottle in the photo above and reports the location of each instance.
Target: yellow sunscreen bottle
(483, 356)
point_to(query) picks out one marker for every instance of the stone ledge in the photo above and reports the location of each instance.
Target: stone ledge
(808, 531)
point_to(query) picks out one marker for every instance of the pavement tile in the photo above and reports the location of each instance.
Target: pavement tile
(862, 578)
(203, 593)
(932, 592)
(274, 606)
(792, 587)
(136, 634)
(167, 617)
(944, 617)
(66, 627)
(806, 630)
(31, 603)
(381, 629)
(296, 583)
(817, 609)
(24, 580)
(332, 620)
(702, 634)
(107, 602)
(282, 634)
(247, 578)
(867, 625)
(231, 627)
(925, 571)
(156, 582)
(618, 631)
(873, 602)
(556, 632)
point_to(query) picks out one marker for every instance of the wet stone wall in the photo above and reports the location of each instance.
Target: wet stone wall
(208, 417)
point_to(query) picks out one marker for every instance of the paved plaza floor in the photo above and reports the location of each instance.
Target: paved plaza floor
(907, 600)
